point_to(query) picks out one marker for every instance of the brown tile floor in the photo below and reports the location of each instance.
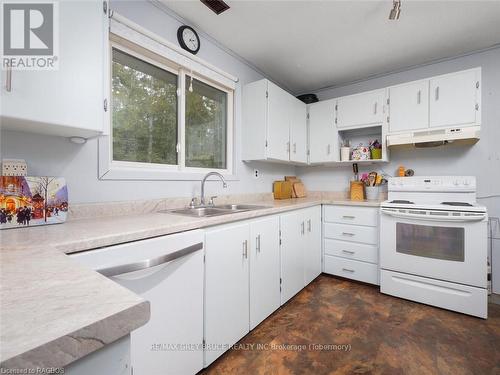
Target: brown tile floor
(386, 335)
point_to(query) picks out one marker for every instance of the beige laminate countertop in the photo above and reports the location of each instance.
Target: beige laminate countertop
(54, 311)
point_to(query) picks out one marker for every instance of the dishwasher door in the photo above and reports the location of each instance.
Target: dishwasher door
(167, 271)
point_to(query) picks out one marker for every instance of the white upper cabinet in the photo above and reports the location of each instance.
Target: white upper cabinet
(362, 109)
(274, 124)
(298, 132)
(455, 99)
(409, 106)
(278, 119)
(439, 102)
(68, 101)
(323, 138)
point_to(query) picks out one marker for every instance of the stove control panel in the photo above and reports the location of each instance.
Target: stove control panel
(433, 183)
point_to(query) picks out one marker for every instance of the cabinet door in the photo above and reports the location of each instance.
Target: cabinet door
(264, 253)
(278, 123)
(323, 137)
(312, 248)
(409, 106)
(72, 96)
(366, 108)
(226, 288)
(292, 257)
(298, 131)
(453, 99)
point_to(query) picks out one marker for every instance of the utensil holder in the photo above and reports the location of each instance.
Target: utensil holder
(372, 192)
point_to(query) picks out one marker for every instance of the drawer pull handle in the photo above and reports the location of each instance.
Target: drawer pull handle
(348, 252)
(348, 234)
(348, 270)
(348, 217)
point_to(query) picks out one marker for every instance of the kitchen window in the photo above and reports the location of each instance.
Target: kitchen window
(166, 122)
(144, 111)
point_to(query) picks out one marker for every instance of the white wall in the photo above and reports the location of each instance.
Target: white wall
(47, 155)
(481, 160)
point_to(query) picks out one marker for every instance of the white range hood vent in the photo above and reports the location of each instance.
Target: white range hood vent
(433, 138)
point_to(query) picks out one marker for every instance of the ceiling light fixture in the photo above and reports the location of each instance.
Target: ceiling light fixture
(396, 10)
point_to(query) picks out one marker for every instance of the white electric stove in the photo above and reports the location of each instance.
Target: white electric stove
(433, 243)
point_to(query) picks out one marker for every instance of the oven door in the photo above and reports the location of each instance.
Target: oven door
(445, 245)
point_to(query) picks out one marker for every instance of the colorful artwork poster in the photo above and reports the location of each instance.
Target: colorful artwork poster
(30, 201)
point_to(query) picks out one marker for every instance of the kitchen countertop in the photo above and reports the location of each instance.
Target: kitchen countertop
(55, 311)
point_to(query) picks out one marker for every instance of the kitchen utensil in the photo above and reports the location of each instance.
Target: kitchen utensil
(299, 190)
(355, 171)
(357, 191)
(282, 189)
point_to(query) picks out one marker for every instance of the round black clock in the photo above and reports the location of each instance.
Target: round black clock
(188, 39)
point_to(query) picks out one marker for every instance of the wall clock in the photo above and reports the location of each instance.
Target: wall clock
(188, 39)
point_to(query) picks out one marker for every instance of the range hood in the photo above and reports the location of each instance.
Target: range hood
(437, 137)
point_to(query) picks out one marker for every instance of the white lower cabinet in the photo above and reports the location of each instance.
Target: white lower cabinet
(292, 254)
(244, 266)
(350, 242)
(226, 288)
(352, 269)
(312, 249)
(300, 250)
(264, 254)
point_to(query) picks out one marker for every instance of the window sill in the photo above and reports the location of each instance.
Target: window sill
(152, 174)
(109, 170)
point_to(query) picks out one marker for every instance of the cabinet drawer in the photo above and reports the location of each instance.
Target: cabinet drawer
(351, 269)
(351, 215)
(351, 233)
(352, 250)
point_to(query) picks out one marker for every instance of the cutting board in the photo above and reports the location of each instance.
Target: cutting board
(299, 190)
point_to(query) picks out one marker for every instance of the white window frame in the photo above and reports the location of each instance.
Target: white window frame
(110, 169)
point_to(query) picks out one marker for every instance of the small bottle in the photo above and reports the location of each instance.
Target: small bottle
(401, 171)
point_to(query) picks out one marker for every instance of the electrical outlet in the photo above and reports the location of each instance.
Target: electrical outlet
(14, 167)
(256, 173)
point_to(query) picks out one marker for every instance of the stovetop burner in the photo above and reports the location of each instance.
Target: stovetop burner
(401, 201)
(462, 204)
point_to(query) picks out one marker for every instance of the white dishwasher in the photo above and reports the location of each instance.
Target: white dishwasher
(169, 272)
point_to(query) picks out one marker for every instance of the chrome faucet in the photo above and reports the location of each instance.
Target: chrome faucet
(224, 185)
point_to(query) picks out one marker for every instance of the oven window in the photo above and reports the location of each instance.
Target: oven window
(430, 242)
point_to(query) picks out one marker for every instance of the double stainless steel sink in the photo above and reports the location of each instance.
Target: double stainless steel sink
(217, 210)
